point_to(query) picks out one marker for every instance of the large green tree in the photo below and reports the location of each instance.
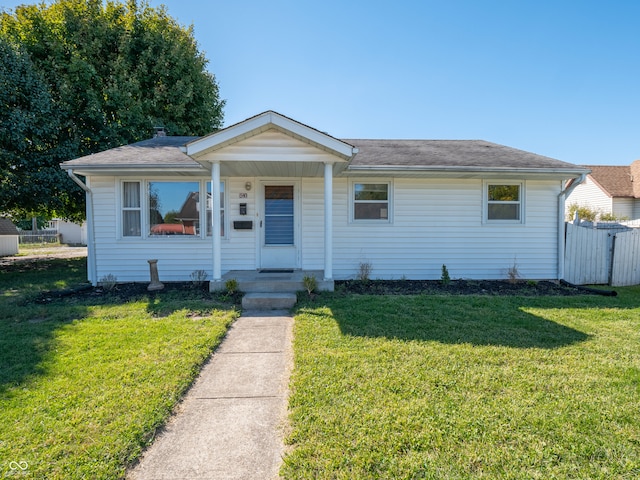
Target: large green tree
(30, 150)
(111, 72)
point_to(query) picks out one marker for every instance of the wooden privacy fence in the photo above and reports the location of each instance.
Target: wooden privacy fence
(594, 256)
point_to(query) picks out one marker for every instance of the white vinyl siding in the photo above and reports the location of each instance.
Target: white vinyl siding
(8, 245)
(623, 208)
(435, 222)
(439, 221)
(589, 194)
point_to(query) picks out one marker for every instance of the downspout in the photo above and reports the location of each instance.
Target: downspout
(91, 245)
(561, 230)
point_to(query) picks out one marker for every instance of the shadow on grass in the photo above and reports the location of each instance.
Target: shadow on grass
(25, 341)
(497, 321)
(27, 329)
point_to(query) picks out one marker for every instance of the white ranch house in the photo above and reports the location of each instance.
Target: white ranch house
(273, 193)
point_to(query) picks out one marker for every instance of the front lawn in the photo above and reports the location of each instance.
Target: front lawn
(441, 387)
(84, 382)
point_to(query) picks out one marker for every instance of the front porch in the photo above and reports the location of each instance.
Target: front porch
(272, 280)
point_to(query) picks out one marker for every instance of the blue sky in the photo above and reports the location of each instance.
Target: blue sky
(558, 78)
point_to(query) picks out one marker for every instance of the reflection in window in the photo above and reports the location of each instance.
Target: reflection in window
(174, 208)
(210, 208)
(278, 215)
(503, 202)
(371, 201)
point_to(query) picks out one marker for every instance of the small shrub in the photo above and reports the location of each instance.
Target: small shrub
(584, 213)
(513, 274)
(109, 282)
(198, 277)
(231, 286)
(310, 283)
(610, 217)
(364, 272)
(445, 278)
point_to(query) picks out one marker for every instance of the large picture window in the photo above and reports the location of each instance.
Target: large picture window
(167, 208)
(174, 208)
(371, 201)
(504, 202)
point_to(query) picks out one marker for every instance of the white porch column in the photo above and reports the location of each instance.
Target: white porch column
(215, 222)
(328, 221)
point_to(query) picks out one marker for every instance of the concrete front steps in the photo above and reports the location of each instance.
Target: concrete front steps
(271, 290)
(268, 301)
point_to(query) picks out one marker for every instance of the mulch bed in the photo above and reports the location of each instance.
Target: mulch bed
(126, 291)
(461, 287)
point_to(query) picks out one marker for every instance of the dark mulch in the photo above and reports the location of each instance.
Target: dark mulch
(124, 292)
(459, 287)
(127, 291)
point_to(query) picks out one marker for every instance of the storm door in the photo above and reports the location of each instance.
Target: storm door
(278, 234)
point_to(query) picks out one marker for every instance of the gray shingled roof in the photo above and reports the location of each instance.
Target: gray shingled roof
(7, 227)
(463, 154)
(154, 152)
(473, 155)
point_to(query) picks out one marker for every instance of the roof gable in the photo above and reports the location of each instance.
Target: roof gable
(615, 181)
(261, 123)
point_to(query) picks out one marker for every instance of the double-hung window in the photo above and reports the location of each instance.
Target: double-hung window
(371, 201)
(504, 202)
(210, 208)
(131, 209)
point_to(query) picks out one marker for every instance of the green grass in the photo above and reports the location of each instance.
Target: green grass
(85, 384)
(456, 387)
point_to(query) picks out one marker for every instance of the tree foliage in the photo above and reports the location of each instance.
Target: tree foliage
(108, 73)
(29, 147)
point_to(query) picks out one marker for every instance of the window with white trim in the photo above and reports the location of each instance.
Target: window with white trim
(174, 208)
(371, 201)
(167, 208)
(131, 210)
(504, 202)
(210, 208)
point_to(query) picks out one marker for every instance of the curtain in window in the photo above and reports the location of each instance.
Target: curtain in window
(131, 209)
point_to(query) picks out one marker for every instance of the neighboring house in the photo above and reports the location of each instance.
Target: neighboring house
(70, 233)
(8, 238)
(275, 193)
(611, 190)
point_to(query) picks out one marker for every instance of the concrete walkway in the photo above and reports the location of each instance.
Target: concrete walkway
(232, 421)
